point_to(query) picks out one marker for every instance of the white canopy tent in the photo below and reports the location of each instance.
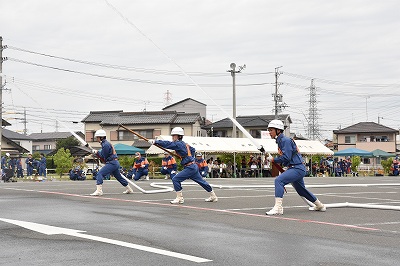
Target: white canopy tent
(214, 145)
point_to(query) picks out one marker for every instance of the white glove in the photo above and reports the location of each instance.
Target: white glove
(143, 166)
(165, 168)
(173, 172)
(202, 173)
(94, 151)
(151, 141)
(270, 158)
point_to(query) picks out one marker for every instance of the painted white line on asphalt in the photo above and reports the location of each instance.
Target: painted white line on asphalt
(54, 230)
(263, 216)
(359, 193)
(386, 223)
(354, 197)
(309, 186)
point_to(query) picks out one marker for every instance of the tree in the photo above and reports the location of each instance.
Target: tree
(67, 143)
(63, 161)
(387, 165)
(126, 161)
(355, 162)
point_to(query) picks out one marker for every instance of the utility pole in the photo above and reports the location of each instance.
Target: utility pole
(277, 97)
(233, 74)
(366, 106)
(1, 91)
(25, 122)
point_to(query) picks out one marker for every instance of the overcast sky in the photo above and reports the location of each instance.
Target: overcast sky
(67, 58)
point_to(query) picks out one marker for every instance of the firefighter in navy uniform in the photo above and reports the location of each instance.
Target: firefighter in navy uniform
(20, 170)
(290, 157)
(140, 167)
(202, 164)
(42, 165)
(111, 166)
(396, 166)
(168, 166)
(190, 169)
(29, 165)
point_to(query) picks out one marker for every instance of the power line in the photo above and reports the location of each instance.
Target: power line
(154, 82)
(343, 83)
(129, 68)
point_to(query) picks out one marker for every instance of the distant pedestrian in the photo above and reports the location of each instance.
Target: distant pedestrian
(396, 166)
(20, 170)
(42, 165)
(29, 165)
(4, 161)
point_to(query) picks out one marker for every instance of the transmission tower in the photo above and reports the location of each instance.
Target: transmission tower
(313, 128)
(167, 98)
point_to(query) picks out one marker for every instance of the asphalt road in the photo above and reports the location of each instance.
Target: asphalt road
(145, 229)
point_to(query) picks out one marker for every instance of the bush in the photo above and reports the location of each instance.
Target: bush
(126, 161)
(355, 162)
(387, 165)
(63, 161)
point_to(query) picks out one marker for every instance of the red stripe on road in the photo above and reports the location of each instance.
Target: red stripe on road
(214, 210)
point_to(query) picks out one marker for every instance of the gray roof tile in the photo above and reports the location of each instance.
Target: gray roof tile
(98, 116)
(14, 135)
(132, 118)
(246, 121)
(186, 118)
(52, 135)
(169, 106)
(365, 127)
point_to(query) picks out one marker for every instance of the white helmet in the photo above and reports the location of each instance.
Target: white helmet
(276, 124)
(177, 131)
(100, 133)
(198, 154)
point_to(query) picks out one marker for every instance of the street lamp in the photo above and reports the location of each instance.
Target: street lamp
(233, 74)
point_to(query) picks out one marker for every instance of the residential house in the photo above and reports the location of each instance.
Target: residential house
(46, 142)
(188, 105)
(7, 144)
(367, 136)
(148, 124)
(398, 144)
(20, 139)
(254, 124)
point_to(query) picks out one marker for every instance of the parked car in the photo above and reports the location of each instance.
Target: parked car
(92, 164)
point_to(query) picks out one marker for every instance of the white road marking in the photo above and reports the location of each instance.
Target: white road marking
(53, 230)
(385, 223)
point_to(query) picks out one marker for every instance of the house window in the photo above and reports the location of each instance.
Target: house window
(90, 136)
(220, 133)
(47, 147)
(366, 160)
(382, 138)
(35, 147)
(350, 139)
(126, 135)
(255, 133)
